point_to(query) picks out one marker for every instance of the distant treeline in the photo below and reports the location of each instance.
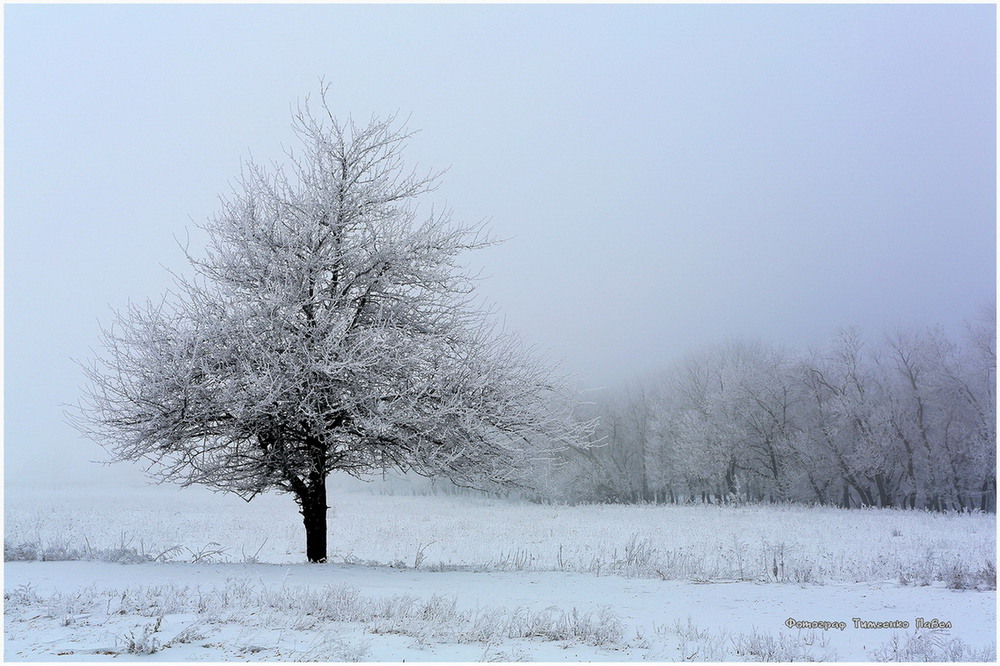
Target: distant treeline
(906, 421)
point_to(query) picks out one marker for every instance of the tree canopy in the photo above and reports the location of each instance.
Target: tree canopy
(328, 326)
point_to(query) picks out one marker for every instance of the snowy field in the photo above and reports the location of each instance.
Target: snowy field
(180, 575)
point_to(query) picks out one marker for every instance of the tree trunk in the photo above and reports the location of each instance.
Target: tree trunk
(884, 499)
(989, 492)
(731, 478)
(313, 510)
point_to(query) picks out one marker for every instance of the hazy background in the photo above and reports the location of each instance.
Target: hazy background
(667, 176)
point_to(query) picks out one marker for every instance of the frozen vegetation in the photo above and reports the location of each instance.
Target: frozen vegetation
(907, 421)
(330, 328)
(473, 578)
(788, 544)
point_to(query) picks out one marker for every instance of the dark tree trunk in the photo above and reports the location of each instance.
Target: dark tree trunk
(312, 500)
(884, 499)
(988, 498)
(731, 478)
(313, 510)
(820, 496)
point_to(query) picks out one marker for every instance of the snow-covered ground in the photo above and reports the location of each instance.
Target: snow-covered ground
(469, 579)
(85, 610)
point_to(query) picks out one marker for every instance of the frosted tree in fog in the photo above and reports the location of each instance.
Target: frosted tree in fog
(328, 327)
(907, 421)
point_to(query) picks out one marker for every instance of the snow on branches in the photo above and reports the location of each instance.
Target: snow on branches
(328, 326)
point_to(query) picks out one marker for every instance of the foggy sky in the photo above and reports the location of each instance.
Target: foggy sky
(666, 176)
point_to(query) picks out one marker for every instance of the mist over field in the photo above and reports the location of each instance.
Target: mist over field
(666, 177)
(500, 333)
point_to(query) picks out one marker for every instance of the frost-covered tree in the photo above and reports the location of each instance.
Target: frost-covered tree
(974, 379)
(905, 422)
(711, 427)
(844, 416)
(329, 326)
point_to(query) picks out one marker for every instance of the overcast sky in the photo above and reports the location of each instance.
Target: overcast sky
(667, 176)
